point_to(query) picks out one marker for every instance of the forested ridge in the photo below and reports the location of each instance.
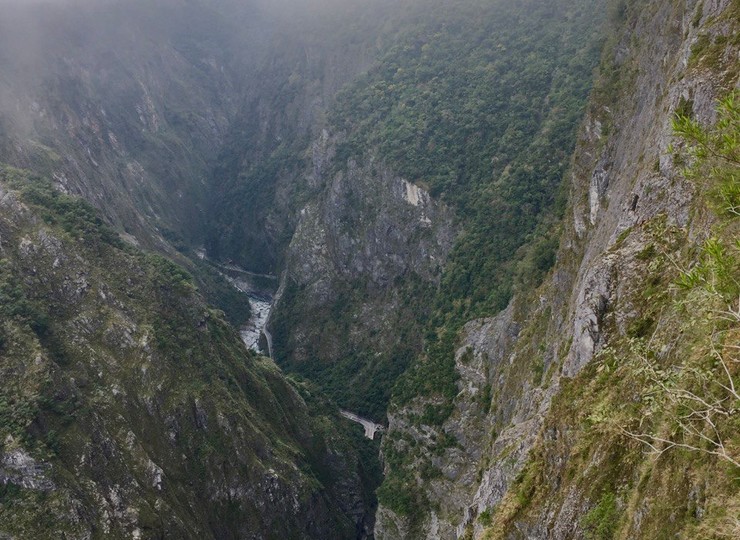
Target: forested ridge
(478, 103)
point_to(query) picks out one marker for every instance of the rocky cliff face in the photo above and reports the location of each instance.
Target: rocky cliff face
(361, 248)
(423, 192)
(264, 173)
(529, 456)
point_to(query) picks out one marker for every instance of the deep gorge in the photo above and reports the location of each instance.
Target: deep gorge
(497, 231)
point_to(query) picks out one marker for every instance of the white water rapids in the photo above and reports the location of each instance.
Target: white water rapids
(255, 327)
(260, 303)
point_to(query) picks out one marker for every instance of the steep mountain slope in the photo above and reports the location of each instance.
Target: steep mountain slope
(178, 119)
(130, 409)
(154, 108)
(559, 395)
(438, 174)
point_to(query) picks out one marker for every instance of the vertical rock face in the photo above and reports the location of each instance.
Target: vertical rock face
(372, 224)
(522, 465)
(366, 237)
(275, 151)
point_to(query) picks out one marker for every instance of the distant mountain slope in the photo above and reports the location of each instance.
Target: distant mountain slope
(132, 97)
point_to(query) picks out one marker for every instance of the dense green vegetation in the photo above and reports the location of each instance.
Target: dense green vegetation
(601, 521)
(244, 193)
(373, 355)
(222, 294)
(485, 119)
(479, 104)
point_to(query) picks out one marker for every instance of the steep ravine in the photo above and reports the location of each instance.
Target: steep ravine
(258, 291)
(255, 332)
